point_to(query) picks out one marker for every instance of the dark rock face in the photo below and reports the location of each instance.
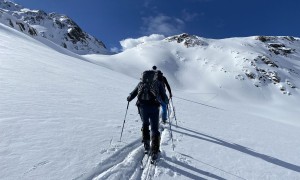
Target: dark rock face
(266, 60)
(279, 48)
(76, 34)
(34, 17)
(270, 67)
(179, 38)
(272, 38)
(276, 47)
(9, 5)
(265, 38)
(187, 40)
(264, 75)
(19, 25)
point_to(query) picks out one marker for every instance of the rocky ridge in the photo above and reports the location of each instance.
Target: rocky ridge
(268, 67)
(57, 28)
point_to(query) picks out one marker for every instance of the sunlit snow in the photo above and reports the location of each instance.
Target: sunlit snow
(61, 114)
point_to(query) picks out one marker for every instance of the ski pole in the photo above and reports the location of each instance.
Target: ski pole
(124, 121)
(171, 130)
(169, 110)
(174, 111)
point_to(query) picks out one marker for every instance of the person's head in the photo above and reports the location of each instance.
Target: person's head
(159, 75)
(154, 67)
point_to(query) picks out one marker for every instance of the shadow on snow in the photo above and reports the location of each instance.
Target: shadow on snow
(240, 148)
(167, 164)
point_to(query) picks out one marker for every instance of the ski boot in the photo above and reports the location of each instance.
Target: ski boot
(146, 139)
(155, 148)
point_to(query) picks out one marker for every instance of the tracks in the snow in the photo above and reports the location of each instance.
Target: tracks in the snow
(124, 164)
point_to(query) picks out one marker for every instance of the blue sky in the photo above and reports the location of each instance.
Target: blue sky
(112, 21)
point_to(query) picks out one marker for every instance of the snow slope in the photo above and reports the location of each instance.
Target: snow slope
(236, 70)
(56, 111)
(61, 118)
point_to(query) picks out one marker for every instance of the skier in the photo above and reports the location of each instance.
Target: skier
(150, 93)
(164, 104)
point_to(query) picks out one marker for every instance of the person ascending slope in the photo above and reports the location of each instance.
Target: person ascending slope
(164, 104)
(150, 93)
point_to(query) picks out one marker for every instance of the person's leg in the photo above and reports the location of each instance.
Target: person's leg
(145, 127)
(154, 120)
(164, 112)
(155, 134)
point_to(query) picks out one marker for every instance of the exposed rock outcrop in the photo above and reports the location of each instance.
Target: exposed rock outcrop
(57, 28)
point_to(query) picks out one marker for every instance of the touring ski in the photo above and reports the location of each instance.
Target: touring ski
(144, 161)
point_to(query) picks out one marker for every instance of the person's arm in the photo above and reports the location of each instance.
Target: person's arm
(133, 94)
(168, 86)
(162, 92)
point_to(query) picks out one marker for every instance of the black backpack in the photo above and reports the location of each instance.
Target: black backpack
(148, 88)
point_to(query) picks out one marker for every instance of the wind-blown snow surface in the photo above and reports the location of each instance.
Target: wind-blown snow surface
(61, 118)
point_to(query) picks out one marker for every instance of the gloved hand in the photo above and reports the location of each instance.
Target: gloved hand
(129, 98)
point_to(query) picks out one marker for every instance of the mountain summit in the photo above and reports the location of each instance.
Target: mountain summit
(58, 28)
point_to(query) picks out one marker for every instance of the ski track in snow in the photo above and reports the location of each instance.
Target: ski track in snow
(122, 156)
(125, 163)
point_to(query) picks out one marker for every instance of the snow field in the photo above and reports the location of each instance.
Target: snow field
(61, 117)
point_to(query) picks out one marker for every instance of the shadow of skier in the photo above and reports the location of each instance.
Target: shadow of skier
(238, 147)
(169, 163)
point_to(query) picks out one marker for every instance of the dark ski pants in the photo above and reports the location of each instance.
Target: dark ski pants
(164, 110)
(150, 116)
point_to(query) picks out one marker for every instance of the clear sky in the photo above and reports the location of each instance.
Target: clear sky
(115, 20)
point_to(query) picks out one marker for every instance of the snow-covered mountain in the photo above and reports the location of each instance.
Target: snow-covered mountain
(236, 102)
(57, 28)
(265, 67)
(263, 60)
